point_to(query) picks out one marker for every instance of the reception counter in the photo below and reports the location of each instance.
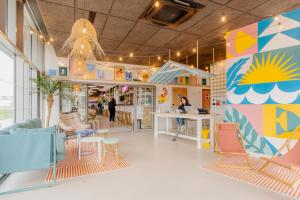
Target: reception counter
(197, 117)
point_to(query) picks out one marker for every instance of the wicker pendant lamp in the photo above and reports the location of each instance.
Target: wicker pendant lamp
(83, 34)
(82, 49)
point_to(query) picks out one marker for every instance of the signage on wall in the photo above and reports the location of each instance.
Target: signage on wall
(63, 71)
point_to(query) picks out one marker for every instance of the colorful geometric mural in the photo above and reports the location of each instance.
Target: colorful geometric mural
(280, 120)
(279, 32)
(252, 140)
(263, 87)
(273, 77)
(242, 41)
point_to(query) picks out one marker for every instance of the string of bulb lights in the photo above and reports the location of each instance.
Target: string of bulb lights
(155, 54)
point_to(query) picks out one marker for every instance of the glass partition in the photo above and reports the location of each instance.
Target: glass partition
(75, 100)
(144, 105)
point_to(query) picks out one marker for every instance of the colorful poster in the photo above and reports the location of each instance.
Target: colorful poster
(163, 97)
(187, 80)
(145, 76)
(128, 76)
(63, 71)
(119, 73)
(181, 80)
(52, 73)
(100, 74)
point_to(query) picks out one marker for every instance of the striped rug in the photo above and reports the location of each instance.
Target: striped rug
(72, 167)
(254, 178)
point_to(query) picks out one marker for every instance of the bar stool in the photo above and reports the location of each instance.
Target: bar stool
(111, 144)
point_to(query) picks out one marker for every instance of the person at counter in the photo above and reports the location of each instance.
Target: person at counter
(181, 121)
(112, 109)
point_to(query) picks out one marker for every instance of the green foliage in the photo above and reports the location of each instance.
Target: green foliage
(50, 87)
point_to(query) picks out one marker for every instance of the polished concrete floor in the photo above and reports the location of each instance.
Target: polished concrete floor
(160, 169)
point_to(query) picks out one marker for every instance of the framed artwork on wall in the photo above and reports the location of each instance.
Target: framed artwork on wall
(181, 80)
(100, 74)
(128, 76)
(63, 71)
(52, 72)
(119, 73)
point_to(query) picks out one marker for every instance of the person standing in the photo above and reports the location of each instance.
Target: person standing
(112, 109)
(100, 109)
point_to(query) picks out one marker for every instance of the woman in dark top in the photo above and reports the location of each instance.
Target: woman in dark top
(112, 109)
(181, 121)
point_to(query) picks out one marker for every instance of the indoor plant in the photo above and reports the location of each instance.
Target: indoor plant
(50, 88)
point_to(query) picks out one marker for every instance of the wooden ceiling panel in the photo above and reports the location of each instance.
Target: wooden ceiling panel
(141, 33)
(129, 9)
(117, 28)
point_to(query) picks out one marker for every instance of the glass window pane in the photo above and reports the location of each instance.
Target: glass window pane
(7, 105)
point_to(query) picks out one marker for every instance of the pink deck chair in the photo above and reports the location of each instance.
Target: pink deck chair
(290, 160)
(229, 143)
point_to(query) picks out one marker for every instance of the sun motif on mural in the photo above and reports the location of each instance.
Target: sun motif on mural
(275, 68)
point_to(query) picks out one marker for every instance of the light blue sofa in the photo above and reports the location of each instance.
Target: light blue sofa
(27, 146)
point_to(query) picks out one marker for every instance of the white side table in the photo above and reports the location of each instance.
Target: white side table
(97, 140)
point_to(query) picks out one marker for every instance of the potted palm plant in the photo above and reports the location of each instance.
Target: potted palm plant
(50, 88)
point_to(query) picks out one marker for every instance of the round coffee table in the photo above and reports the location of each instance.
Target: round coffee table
(90, 140)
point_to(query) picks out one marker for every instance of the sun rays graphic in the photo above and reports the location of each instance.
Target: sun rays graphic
(274, 69)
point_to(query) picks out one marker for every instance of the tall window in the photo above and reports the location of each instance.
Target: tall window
(7, 104)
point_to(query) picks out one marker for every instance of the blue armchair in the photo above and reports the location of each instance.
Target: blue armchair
(26, 146)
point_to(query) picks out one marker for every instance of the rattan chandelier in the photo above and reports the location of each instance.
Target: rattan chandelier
(83, 41)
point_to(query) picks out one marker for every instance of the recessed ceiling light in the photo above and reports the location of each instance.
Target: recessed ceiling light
(51, 39)
(158, 58)
(120, 59)
(131, 54)
(178, 54)
(157, 4)
(194, 50)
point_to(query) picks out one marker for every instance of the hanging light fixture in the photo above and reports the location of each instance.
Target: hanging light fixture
(83, 29)
(82, 49)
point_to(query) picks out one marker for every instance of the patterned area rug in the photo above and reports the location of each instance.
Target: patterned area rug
(254, 178)
(72, 167)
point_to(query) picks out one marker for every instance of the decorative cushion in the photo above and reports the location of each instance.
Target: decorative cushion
(36, 123)
(5, 131)
(26, 124)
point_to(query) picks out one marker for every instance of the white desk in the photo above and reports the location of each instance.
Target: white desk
(198, 117)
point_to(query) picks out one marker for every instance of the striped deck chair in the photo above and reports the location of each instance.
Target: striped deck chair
(229, 143)
(289, 160)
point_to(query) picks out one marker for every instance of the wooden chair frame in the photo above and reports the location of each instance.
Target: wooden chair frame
(221, 154)
(286, 145)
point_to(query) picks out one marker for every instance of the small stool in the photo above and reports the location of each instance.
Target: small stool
(109, 143)
(103, 133)
(91, 140)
